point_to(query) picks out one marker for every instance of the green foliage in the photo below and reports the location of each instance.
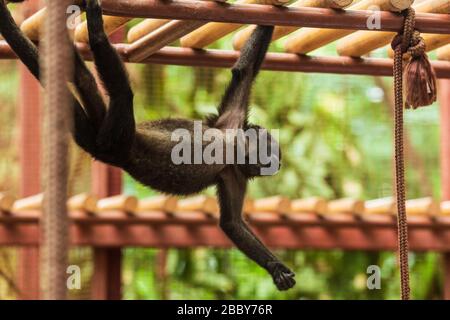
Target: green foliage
(336, 138)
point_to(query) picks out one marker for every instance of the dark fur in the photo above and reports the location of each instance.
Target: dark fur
(144, 151)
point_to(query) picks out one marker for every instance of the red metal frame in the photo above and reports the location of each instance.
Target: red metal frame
(271, 15)
(274, 61)
(444, 99)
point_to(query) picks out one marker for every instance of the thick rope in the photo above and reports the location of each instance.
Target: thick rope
(57, 62)
(420, 91)
(400, 176)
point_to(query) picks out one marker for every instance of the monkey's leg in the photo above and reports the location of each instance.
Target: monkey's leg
(231, 191)
(118, 129)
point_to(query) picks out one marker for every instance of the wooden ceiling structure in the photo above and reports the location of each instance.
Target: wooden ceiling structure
(304, 26)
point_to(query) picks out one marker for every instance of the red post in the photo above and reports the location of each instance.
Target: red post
(29, 145)
(107, 279)
(444, 100)
(29, 122)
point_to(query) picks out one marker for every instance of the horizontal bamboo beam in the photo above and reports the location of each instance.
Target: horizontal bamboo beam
(83, 202)
(31, 26)
(268, 15)
(243, 35)
(422, 206)
(206, 204)
(110, 24)
(274, 61)
(309, 39)
(125, 203)
(383, 206)
(347, 206)
(200, 203)
(315, 205)
(158, 203)
(444, 53)
(145, 27)
(6, 202)
(432, 42)
(213, 31)
(153, 34)
(445, 208)
(363, 42)
(159, 38)
(277, 204)
(33, 202)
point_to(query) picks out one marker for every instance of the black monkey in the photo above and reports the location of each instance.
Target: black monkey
(110, 134)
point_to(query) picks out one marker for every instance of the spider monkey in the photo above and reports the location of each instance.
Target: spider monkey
(110, 134)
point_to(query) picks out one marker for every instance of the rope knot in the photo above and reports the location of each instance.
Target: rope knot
(417, 46)
(420, 78)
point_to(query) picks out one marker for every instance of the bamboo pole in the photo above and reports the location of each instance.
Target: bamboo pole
(162, 203)
(159, 38)
(277, 204)
(346, 205)
(83, 202)
(422, 206)
(6, 202)
(242, 36)
(432, 42)
(249, 206)
(144, 28)
(314, 205)
(32, 26)
(445, 208)
(309, 39)
(201, 203)
(29, 203)
(363, 42)
(149, 25)
(110, 24)
(121, 202)
(214, 31)
(444, 53)
(384, 206)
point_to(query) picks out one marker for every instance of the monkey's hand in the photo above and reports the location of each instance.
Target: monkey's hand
(282, 276)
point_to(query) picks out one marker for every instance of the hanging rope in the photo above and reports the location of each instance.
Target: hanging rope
(57, 62)
(420, 84)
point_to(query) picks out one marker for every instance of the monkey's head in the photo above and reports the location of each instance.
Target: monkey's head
(262, 152)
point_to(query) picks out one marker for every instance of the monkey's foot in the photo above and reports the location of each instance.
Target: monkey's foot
(282, 276)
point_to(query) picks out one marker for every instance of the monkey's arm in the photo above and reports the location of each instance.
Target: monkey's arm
(231, 192)
(21, 45)
(234, 106)
(29, 55)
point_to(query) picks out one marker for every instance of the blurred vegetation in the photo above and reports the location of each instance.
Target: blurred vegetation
(336, 138)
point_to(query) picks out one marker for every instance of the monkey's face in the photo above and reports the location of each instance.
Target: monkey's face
(262, 152)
